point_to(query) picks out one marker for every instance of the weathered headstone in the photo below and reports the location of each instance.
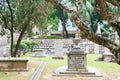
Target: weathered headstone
(96, 48)
(39, 53)
(108, 56)
(1, 51)
(58, 50)
(6, 52)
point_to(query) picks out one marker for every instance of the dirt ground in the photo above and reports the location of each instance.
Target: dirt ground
(32, 66)
(105, 76)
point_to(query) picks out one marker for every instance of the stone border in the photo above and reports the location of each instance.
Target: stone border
(38, 72)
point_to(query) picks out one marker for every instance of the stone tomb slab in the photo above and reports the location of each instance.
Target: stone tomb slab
(13, 64)
(39, 53)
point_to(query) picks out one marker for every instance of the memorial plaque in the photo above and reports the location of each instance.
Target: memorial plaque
(76, 61)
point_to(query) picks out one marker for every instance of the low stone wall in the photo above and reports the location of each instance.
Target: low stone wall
(13, 64)
(86, 45)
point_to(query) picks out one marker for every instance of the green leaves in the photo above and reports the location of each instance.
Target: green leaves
(26, 44)
(115, 10)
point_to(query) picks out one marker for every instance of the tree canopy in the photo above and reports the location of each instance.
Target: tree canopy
(18, 15)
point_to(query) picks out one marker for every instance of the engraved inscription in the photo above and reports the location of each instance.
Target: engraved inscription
(77, 61)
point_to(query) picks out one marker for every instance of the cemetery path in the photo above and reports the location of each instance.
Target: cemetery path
(32, 65)
(38, 72)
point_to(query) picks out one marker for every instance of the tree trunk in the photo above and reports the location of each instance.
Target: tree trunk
(64, 29)
(20, 37)
(11, 45)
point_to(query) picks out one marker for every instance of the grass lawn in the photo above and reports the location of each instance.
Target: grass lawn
(52, 64)
(102, 65)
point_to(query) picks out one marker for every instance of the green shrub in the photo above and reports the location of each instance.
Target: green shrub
(50, 37)
(26, 44)
(22, 45)
(30, 43)
(54, 37)
(34, 42)
(41, 36)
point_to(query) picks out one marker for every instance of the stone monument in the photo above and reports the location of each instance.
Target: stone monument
(77, 63)
(58, 50)
(39, 53)
(76, 57)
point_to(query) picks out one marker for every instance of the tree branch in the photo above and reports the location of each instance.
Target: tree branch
(5, 21)
(12, 19)
(114, 2)
(55, 2)
(87, 33)
(102, 7)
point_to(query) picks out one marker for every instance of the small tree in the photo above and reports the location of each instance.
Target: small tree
(17, 16)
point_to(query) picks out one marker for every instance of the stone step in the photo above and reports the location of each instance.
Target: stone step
(77, 75)
(77, 72)
(80, 70)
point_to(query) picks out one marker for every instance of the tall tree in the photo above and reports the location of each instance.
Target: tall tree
(101, 6)
(17, 16)
(63, 16)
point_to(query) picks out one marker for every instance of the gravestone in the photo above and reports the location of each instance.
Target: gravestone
(58, 50)
(6, 51)
(96, 48)
(77, 63)
(108, 56)
(1, 51)
(39, 53)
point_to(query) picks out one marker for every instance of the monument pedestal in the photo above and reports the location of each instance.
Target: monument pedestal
(77, 65)
(76, 59)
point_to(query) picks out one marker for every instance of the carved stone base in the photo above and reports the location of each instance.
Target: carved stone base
(88, 72)
(13, 64)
